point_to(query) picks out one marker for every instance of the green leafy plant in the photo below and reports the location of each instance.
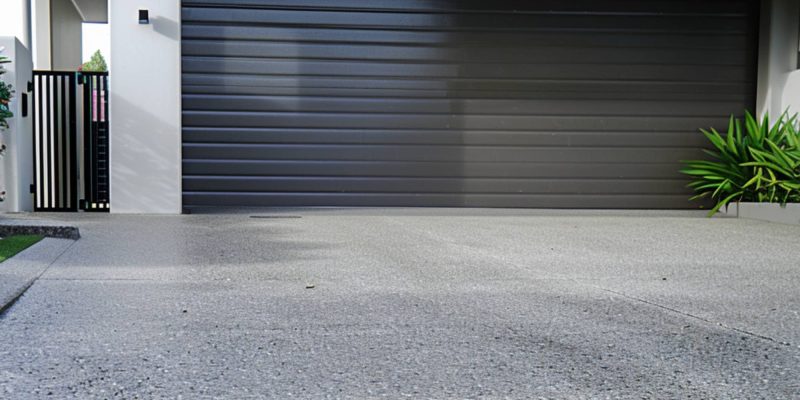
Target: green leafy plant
(6, 92)
(752, 162)
(95, 64)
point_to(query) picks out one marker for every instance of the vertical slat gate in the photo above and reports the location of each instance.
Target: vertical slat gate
(58, 155)
(55, 136)
(95, 142)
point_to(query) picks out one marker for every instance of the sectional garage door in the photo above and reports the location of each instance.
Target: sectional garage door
(549, 103)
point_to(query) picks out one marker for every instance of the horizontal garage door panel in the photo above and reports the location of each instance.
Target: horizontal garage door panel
(431, 185)
(580, 104)
(236, 168)
(575, 87)
(312, 199)
(473, 54)
(443, 121)
(374, 69)
(441, 137)
(483, 6)
(726, 40)
(710, 92)
(435, 153)
(523, 21)
(312, 104)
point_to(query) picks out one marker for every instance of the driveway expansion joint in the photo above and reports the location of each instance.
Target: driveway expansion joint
(551, 275)
(690, 315)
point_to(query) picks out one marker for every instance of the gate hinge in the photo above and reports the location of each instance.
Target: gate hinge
(33, 188)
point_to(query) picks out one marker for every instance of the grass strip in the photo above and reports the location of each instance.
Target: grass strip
(12, 245)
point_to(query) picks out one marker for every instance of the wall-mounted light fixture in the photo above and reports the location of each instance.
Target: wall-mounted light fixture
(144, 17)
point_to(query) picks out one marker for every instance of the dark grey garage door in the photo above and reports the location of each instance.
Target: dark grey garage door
(456, 103)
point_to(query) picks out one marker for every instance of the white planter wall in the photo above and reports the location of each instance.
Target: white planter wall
(770, 212)
(17, 163)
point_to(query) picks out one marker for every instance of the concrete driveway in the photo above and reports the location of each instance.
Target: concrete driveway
(411, 303)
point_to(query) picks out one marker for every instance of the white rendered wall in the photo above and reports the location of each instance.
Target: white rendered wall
(145, 86)
(65, 36)
(779, 77)
(15, 20)
(40, 14)
(17, 162)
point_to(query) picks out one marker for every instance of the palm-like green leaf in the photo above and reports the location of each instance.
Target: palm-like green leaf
(753, 161)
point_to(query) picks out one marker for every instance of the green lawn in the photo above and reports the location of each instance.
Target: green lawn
(14, 244)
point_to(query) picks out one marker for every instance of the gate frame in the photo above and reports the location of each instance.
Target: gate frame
(69, 163)
(44, 133)
(96, 187)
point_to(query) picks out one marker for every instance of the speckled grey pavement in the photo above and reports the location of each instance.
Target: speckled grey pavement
(20, 271)
(411, 303)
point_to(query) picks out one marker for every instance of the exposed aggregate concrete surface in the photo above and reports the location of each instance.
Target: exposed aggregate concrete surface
(411, 303)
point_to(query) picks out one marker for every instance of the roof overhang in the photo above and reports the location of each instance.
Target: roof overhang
(92, 10)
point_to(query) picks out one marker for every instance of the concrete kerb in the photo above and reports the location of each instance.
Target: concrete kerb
(57, 232)
(51, 229)
(18, 273)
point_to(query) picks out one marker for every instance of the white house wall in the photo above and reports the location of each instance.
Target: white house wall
(15, 20)
(779, 77)
(145, 106)
(66, 36)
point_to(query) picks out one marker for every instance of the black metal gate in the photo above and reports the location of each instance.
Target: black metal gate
(55, 141)
(95, 141)
(59, 150)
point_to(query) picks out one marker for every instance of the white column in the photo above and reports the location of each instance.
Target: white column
(41, 34)
(145, 106)
(66, 26)
(778, 75)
